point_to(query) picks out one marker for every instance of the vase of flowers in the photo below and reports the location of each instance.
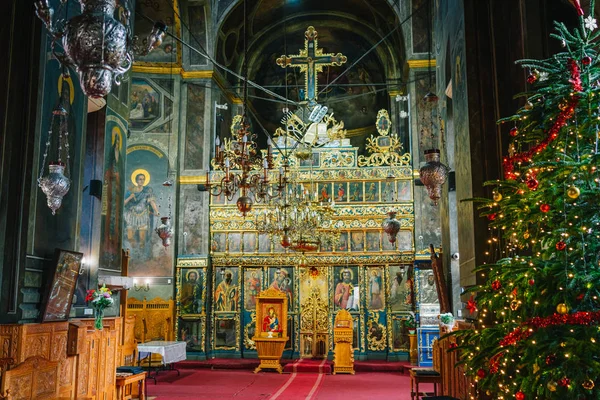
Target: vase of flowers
(100, 300)
(447, 321)
(411, 324)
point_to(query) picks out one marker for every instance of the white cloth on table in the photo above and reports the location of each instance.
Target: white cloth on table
(170, 351)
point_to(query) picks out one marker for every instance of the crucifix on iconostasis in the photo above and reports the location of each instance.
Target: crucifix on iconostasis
(311, 61)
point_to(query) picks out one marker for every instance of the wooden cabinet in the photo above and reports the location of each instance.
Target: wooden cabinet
(97, 363)
(343, 354)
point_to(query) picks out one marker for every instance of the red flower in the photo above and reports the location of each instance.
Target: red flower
(564, 382)
(471, 305)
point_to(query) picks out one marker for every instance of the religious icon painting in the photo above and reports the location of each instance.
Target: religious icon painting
(405, 240)
(375, 288)
(235, 242)
(340, 192)
(355, 191)
(227, 293)
(401, 288)
(371, 191)
(347, 290)
(404, 191)
(252, 287)
(343, 243)
(373, 238)
(324, 192)
(282, 279)
(249, 242)
(271, 325)
(388, 191)
(357, 241)
(190, 291)
(225, 333)
(218, 242)
(144, 105)
(400, 334)
(264, 243)
(426, 287)
(386, 245)
(59, 292)
(326, 248)
(277, 247)
(190, 332)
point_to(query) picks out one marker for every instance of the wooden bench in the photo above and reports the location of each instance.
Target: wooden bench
(125, 386)
(423, 375)
(35, 378)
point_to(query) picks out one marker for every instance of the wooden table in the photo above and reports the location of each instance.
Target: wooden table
(126, 382)
(416, 378)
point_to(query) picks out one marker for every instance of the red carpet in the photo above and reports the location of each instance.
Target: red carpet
(252, 363)
(308, 365)
(208, 384)
(299, 386)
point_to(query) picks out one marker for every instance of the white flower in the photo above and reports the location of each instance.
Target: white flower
(590, 23)
(403, 114)
(543, 76)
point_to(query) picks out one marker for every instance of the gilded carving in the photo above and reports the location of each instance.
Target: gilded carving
(376, 333)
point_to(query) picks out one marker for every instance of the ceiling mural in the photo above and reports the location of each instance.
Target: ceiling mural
(350, 27)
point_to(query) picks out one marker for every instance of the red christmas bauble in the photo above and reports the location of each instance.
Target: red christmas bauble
(564, 382)
(496, 285)
(560, 245)
(452, 345)
(532, 184)
(520, 395)
(531, 79)
(587, 60)
(550, 359)
(481, 373)
(514, 131)
(545, 208)
(531, 282)
(492, 216)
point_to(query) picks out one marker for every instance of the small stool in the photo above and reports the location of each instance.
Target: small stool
(423, 375)
(125, 386)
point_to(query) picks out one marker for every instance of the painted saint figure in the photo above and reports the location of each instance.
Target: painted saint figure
(253, 290)
(191, 293)
(375, 287)
(140, 209)
(428, 292)
(344, 290)
(283, 283)
(341, 193)
(226, 294)
(271, 322)
(112, 204)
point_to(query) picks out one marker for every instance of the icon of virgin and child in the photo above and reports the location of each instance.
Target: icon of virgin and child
(270, 324)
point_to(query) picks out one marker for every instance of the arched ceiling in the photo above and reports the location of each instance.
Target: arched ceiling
(351, 27)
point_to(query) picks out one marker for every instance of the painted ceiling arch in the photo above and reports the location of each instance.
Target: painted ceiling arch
(352, 27)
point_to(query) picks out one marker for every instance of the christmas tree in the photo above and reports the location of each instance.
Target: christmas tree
(538, 312)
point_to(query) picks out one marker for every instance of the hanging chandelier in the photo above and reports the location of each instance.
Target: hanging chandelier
(300, 222)
(56, 183)
(433, 174)
(241, 169)
(98, 46)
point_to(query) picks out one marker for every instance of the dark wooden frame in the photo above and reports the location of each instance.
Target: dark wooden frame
(60, 277)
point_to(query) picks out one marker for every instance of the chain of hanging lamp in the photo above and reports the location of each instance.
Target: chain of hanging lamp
(242, 168)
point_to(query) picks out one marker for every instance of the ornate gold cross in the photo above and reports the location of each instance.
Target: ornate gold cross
(311, 61)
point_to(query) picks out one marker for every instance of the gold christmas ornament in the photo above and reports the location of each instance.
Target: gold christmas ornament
(497, 196)
(551, 386)
(573, 192)
(588, 384)
(526, 235)
(562, 308)
(514, 305)
(528, 105)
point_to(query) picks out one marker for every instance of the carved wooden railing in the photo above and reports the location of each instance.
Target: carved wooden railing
(455, 382)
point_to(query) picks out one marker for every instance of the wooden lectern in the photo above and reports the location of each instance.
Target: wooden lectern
(271, 328)
(343, 354)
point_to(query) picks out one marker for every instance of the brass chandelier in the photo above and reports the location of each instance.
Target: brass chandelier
(299, 220)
